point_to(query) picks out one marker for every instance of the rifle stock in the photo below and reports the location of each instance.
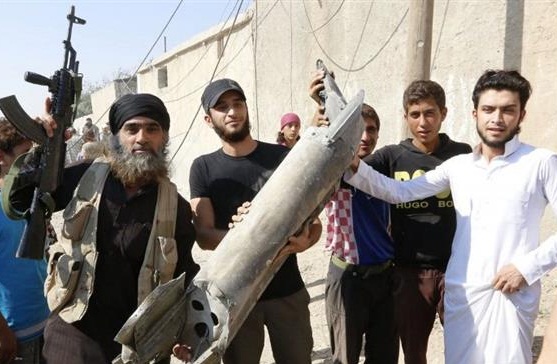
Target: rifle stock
(65, 88)
(23, 123)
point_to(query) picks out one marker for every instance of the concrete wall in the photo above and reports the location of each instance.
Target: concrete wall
(104, 97)
(273, 48)
(101, 101)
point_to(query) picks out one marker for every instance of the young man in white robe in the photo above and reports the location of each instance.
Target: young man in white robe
(500, 191)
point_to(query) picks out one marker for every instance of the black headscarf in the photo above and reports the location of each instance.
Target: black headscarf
(131, 105)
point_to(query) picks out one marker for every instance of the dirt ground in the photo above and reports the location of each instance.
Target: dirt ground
(313, 265)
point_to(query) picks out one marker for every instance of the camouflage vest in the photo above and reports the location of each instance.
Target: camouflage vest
(72, 260)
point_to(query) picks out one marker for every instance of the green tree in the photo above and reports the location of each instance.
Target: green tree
(84, 106)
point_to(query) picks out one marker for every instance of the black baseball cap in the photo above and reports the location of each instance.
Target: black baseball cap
(215, 89)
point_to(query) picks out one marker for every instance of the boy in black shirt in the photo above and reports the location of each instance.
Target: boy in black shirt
(422, 230)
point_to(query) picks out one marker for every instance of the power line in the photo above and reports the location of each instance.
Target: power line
(232, 59)
(325, 23)
(157, 40)
(359, 43)
(371, 59)
(199, 61)
(258, 24)
(190, 71)
(436, 53)
(211, 79)
(140, 65)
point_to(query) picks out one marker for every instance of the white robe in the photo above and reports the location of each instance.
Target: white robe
(499, 206)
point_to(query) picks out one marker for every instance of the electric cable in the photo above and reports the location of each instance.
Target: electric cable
(359, 43)
(142, 62)
(194, 67)
(325, 23)
(371, 59)
(169, 101)
(258, 21)
(232, 59)
(439, 37)
(211, 79)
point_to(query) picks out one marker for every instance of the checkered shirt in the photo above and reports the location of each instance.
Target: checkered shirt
(340, 228)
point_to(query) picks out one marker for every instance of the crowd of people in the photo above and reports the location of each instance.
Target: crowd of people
(89, 145)
(426, 228)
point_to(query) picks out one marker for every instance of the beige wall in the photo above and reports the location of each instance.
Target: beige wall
(103, 98)
(101, 101)
(273, 49)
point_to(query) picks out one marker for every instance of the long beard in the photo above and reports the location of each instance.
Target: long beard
(138, 169)
(236, 136)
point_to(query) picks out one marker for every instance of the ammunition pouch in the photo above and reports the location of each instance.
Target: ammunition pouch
(76, 216)
(63, 275)
(72, 260)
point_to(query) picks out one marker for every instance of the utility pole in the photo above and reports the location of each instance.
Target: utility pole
(420, 25)
(418, 55)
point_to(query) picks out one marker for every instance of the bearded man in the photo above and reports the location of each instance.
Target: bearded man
(220, 182)
(115, 242)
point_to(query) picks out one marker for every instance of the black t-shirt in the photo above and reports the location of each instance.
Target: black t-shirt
(230, 181)
(422, 230)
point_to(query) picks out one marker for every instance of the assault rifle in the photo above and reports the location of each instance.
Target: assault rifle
(65, 87)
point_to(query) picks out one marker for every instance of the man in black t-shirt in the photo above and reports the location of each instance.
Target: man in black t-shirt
(220, 182)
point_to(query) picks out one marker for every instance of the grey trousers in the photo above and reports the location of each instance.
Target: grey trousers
(287, 321)
(361, 307)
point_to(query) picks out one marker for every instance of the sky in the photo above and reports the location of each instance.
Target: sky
(117, 37)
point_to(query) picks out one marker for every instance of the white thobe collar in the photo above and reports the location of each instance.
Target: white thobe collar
(510, 147)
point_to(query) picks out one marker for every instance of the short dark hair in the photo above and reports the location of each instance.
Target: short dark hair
(9, 136)
(502, 80)
(423, 89)
(369, 112)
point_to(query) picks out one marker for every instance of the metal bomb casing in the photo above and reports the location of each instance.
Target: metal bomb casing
(242, 266)
(208, 314)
